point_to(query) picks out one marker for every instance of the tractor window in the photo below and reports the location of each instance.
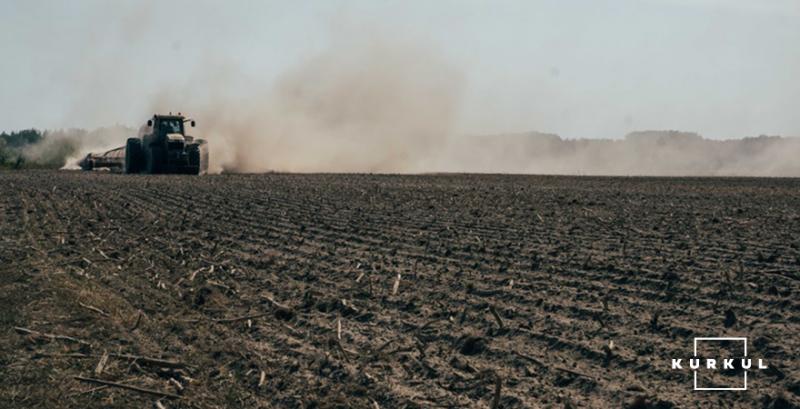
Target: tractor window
(171, 126)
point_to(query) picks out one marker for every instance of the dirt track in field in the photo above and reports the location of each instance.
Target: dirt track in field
(282, 290)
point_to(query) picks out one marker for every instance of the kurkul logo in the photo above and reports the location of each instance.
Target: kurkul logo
(731, 362)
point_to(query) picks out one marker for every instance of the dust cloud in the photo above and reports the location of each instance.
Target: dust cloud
(376, 105)
(61, 148)
(72, 145)
(647, 153)
(385, 105)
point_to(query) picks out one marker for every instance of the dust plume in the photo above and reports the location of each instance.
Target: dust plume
(649, 153)
(374, 103)
(70, 146)
(365, 105)
(61, 148)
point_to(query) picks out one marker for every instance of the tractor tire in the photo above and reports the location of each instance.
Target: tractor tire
(198, 157)
(86, 164)
(133, 155)
(194, 159)
(203, 147)
(154, 159)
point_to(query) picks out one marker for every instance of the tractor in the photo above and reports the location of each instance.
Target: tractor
(162, 146)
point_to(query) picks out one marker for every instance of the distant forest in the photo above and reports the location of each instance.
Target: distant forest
(14, 147)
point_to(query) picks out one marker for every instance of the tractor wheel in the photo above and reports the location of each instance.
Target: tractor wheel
(133, 155)
(154, 158)
(194, 160)
(203, 164)
(86, 163)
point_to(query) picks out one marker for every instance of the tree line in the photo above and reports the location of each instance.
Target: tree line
(14, 148)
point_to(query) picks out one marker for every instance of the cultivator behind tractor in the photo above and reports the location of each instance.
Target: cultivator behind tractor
(113, 159)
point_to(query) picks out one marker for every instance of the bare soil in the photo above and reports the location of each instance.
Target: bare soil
(370, 291)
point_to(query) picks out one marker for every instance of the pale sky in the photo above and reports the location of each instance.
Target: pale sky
(593, 68)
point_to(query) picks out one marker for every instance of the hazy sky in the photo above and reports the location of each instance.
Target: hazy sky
(724, 68)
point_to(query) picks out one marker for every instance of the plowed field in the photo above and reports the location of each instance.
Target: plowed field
(314, 291)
